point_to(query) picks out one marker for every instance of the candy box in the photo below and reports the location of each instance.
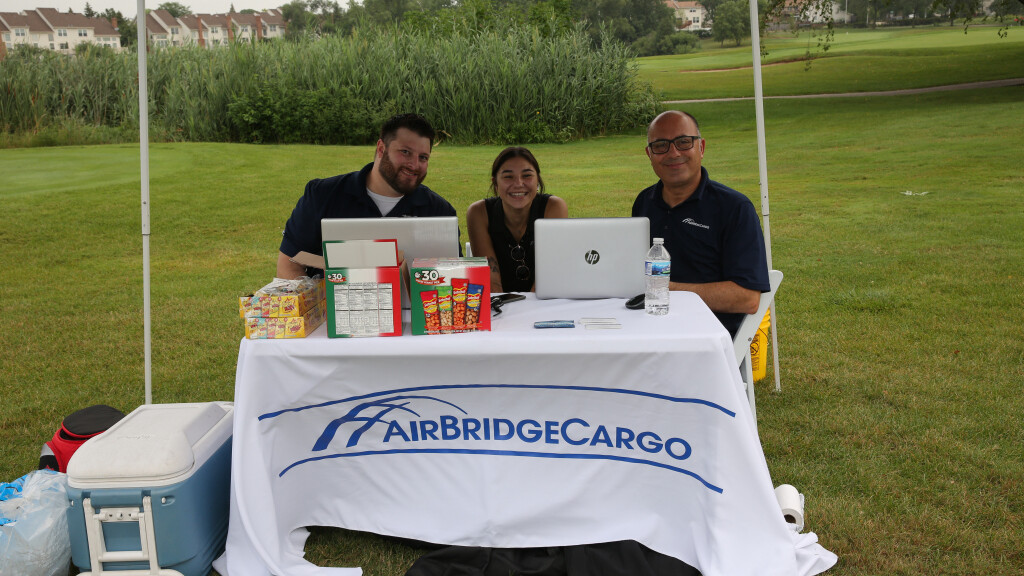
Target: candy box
(279, 327)
(450, 295)
(363, 288)
(283, 299)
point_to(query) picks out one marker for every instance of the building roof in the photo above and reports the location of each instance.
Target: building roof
(273, 16)
(191, 21)
(153, 26)
(164, 16)
(103, 27)
(214, 20)
(62, 19)
(252, 20)
(3, 27)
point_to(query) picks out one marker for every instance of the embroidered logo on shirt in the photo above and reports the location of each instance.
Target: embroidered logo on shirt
(693, 222)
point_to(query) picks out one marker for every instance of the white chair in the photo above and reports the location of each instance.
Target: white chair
(747, 331)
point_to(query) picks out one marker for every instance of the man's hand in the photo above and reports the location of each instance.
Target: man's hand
(724, 296)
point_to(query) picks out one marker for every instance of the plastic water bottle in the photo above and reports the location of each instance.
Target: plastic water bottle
(657, 267)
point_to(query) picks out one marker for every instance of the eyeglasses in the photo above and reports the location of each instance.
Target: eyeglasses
(518, 254)
(682, 143)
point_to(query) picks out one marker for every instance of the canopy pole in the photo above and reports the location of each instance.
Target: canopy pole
(141, 48)
(762, 167)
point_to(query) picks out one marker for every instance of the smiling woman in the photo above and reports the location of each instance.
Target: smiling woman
(501, 227)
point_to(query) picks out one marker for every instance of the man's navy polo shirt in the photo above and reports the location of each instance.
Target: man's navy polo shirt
(713, 236)
(345, 196)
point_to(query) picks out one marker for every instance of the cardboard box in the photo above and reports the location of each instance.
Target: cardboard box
(257, 327)
(450, 295)
(282, 299)
(363, 288)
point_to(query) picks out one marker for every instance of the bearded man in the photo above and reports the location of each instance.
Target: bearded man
(392, 186)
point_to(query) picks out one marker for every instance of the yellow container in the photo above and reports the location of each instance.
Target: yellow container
(759, 348)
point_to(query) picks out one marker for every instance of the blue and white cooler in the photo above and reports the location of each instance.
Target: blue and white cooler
(150, 495)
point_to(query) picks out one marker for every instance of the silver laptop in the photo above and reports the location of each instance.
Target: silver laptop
(425, 237)
(590, 257)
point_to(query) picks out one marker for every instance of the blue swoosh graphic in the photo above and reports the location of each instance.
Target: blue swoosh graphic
(694, 475)
(698, 401)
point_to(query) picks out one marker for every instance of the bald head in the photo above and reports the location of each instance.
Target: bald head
(671, 115)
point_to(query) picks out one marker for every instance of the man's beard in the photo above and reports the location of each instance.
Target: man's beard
(390, 174)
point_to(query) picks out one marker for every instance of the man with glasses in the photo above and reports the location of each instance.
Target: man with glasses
(711, 231)
(391, 185)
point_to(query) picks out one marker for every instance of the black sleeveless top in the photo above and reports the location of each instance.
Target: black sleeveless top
(503, 242)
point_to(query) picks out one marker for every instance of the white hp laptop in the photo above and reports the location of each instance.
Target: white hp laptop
(590, 257)
(425, 237)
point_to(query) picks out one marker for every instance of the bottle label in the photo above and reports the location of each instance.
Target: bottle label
(658, 268)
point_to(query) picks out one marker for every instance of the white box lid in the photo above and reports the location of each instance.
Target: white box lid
(157, 444)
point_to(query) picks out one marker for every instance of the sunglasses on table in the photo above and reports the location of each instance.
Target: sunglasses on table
(518, 254)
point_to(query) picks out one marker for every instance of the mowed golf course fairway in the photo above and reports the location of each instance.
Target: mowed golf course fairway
(897, 221)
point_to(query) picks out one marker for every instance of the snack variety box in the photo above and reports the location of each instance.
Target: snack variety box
(450, 295)
(280, 327)
(363, 288)
(283, 299)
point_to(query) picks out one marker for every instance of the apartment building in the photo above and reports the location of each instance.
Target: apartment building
(52, 30)
(209, 30)
(689, 15)
(61, 32)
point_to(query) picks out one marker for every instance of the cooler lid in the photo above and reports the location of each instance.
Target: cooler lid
(155, 442)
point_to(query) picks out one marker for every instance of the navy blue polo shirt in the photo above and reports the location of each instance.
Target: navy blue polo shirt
(712, 236)
(345, 196)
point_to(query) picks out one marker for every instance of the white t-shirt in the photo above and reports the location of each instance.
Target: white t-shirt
(384, 203)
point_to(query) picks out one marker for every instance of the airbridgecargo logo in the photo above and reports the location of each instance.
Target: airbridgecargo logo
(412, 420)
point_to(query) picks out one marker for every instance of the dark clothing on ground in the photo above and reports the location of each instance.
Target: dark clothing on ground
(626, 558)
(503, 241)
(345, 196)
(713, 236)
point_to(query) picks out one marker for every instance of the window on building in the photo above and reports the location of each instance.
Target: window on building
(63, 45)
(174, 30)
(51, 45)
(273, 27)
(214, 30)
(62, 33)
(161, 36)
(82, 32)
(696, 19)
(245, 29)
(7, 37)
(20, 32)
(51, 37)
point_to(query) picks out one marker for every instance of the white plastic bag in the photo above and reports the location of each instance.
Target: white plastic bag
(35, 541)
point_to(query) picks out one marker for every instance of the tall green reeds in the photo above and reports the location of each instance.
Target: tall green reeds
(513, 85)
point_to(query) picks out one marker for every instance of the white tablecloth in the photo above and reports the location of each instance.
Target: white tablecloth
(519, 437)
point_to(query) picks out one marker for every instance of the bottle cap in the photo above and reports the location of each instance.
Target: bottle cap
(659, 240)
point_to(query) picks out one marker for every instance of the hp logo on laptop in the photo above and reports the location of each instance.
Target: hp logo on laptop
(592, 257)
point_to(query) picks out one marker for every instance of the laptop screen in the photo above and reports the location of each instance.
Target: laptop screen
(590, 257)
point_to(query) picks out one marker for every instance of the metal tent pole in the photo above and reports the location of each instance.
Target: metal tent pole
(762, 167)
(140, 26)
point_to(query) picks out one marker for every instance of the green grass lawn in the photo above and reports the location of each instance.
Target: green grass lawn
(899, 320)
(897, 221)
(857, 61)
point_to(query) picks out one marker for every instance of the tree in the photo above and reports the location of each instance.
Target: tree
(125, 27)
(177, 9)
(732, 21)
(88, 11)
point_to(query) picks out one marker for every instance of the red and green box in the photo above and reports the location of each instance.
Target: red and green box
(363, 288)
(450, 295)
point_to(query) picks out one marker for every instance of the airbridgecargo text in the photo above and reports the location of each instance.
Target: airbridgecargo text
(574, 431)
